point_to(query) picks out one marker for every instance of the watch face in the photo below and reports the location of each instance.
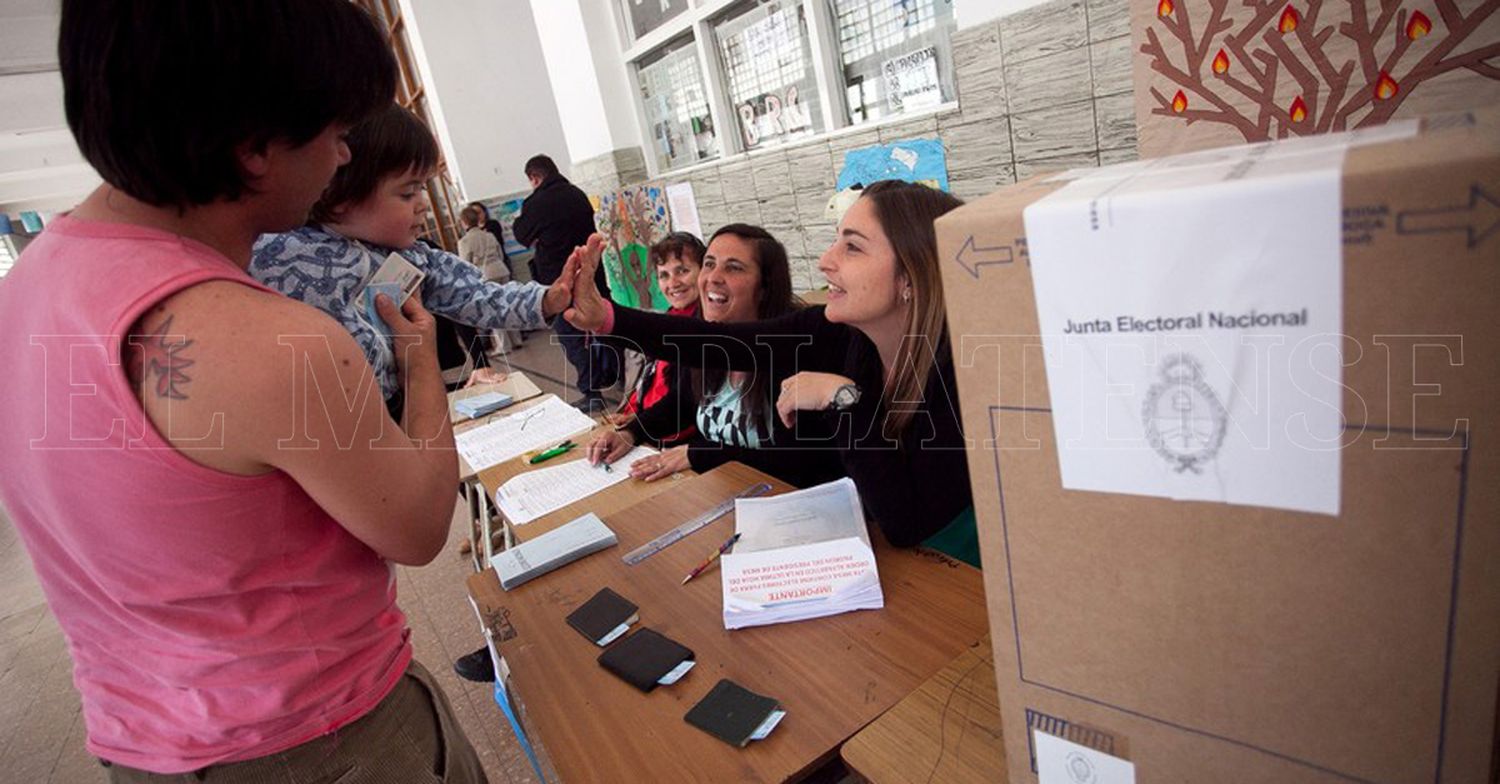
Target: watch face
(845, 396)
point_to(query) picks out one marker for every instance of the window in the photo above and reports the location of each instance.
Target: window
(896, 55)
(768, 66)
(647, 15)
(677, 117)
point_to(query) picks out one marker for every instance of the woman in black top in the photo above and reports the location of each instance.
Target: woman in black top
(745, 276)
(875, 362)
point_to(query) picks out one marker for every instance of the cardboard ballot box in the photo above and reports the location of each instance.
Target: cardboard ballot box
(1165, 595)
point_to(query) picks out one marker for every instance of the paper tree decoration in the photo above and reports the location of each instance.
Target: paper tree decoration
(632, 220)
(1240, 71)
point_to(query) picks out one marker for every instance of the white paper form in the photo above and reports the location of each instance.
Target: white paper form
(1190, 309)
(1061, 761)
(542, 425)
(535, 493)
(684, 207)
(817, 514)
(800, 555)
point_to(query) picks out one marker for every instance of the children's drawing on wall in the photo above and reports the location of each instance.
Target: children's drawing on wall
(1218, 72)
(631, 220)
(910, 160)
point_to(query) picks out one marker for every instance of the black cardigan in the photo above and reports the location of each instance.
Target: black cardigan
(912, 488)
(801, 456)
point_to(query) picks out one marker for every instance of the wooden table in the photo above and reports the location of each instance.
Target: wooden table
(947, 730)
(603, 503)
(527, 395)
(832, 675)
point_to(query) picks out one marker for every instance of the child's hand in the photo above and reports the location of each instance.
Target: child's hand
(413, 329)
(560, 293)
(589, 311)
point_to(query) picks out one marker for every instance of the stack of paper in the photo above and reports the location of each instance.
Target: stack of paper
(535, 493)
(800, 555)
(482, 404)
(587, 534)
(542, 425)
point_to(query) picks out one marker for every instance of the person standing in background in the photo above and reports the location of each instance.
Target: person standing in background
(497, 231)
(556, 218)
(479, 247)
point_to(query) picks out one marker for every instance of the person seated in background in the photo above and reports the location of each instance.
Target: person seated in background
(663, 394)
(197, 499)
(376, 205)
(745, 277)
(885, 314)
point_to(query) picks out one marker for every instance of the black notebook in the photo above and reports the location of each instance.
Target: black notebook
(644, 658)
(731, 712)
(604, 617)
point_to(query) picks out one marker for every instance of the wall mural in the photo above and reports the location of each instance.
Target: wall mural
(1217, 72)
(632, 220)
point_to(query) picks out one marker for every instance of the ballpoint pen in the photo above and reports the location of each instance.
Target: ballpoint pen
(714, 556)
(553, 452)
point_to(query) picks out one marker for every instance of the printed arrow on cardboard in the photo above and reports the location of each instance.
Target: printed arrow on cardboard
(972, 256)
(1479, 219)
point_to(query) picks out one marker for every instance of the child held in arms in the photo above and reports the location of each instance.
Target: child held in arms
(377, 204)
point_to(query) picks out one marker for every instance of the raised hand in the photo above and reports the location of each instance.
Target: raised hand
(590, 311)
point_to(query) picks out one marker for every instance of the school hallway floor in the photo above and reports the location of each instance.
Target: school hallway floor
(41, 728)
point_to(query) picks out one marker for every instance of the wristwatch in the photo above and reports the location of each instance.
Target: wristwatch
(844, 397)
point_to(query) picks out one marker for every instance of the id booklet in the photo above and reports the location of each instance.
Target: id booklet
(648, 659)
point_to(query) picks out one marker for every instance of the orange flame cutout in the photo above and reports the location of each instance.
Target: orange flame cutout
(1418, 26)
(1298, 110)
(1179, 102)
(1165, 8)
(1221, 62)
(1386, 87)
(1289, 20)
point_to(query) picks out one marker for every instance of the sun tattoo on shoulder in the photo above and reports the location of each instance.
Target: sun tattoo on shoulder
(160, 353)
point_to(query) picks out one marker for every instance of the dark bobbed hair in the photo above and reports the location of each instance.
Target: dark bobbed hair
(471, 217)
(906, 212)
(678, 244)
(162, 94)
(390, 143)
(540, 166)
(775, 298)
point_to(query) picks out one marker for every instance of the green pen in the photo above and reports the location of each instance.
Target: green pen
(553, 452)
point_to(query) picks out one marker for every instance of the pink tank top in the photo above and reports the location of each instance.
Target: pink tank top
(211, 617)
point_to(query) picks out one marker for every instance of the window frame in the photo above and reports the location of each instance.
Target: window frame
(697, 22)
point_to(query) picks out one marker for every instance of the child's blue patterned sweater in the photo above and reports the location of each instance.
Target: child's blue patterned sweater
(329, 271)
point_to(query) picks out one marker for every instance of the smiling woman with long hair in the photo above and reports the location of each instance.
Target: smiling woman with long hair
(875, 362)
(745, 277)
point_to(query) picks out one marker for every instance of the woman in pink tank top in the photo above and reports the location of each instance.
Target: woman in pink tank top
(209, 492)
